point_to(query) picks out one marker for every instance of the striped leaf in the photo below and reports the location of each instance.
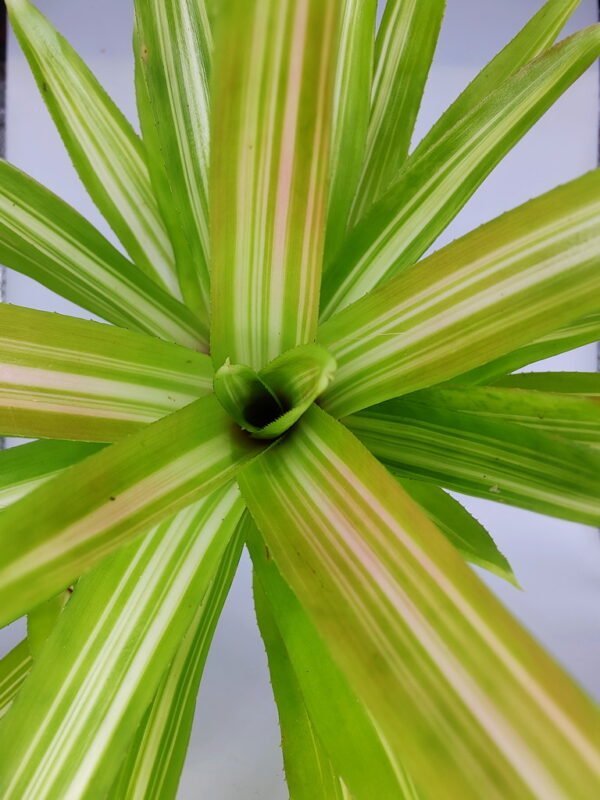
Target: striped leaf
(42, 620)
(344, 732)
(102, 665)
(404, 49)
(467, 535)
(351, 110)
(432, 188)
(575, 383)
(537, 405)
(27, 466)
(14, 669)
(104, 148)
(508, 283)
(67, 525)
(172, 50)
(538, 34)
(474, 454)
(67, 378)
(43, 237)
(309, 772)
(268, 402)
(447, 676)
(575, 334)
(272, 110)
(153, 767)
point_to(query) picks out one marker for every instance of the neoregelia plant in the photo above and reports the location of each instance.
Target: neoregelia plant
(285, 369)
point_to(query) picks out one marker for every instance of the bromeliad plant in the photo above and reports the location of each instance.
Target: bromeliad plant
(284, 371)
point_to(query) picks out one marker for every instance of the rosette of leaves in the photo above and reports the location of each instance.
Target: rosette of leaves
(285, 369)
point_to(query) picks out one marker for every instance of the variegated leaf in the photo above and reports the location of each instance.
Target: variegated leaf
(447, 676)
(272, 114)
(506, 284)
(104, 148)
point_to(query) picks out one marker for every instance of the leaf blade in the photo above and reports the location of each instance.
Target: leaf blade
(68, 524)
(108, 653)
(14, 669)
(66, 378)
(157, 755)
(476, 455)
(511, 281)
(351, 106)
(105, 151)
(455, 675)
(172, 44)
(432, 188)
(47, 240)
(404, 49)
(272, 101)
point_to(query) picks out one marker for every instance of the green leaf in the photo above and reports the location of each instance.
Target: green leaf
(467, 535)
(14, 669)
(267, 403)
(71, 522)
(538, 34)
(102, 665)
(511, 281)
(322, 697)
(172, 49)
(575, 334)
(351, 111)
(539, 407)
(68, 378)
(153, 767)
(104, 148)
(42, 620)
(569, 383)
(309, 773)
(272, 111)
(27, 466)
(485, 457)
(404, 49)
(447, 676)
(43, 237)
(434, 186)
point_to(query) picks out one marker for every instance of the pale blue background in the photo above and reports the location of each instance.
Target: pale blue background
(235, 751)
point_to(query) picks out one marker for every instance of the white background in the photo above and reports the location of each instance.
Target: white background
(235, 748)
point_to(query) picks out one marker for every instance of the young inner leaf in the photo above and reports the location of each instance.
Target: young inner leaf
(268, 402)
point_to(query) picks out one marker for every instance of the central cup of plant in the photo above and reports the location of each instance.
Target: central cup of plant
(268, 402)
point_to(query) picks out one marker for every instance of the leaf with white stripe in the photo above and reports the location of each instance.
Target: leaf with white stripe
(27, 466)
(535, 404)
(47, 240)
(506, 284)
(482, 456)
(434, 186)
(68, 524)
(538, 34)
(172, 50)
(272, 101)
(66, 733)
(448, 677)
(351, 110)
(575, 334)
(14, 669)
(107, 154)
(404, 49)
(568, 383)
(153, 767)
(466, 533)
(351, 740)
(67, 378)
